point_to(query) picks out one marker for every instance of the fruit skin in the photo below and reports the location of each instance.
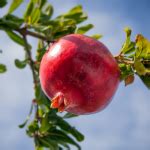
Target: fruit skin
(80, 71)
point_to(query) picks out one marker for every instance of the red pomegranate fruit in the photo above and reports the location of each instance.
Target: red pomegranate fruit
(79, 74)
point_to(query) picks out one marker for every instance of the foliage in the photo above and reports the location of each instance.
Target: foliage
(48, 128)
(134, 58)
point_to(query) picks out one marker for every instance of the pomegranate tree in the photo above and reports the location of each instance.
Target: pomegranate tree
(79, 74)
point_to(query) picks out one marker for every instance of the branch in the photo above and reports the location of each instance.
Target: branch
(31, 62)
(24, 32)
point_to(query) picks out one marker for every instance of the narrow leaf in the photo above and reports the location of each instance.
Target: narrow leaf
(35, 15)
(14, 5)
(27, 119)
(69, 115)
(29, 9)
(42, 3)
(15, 37)
(68, 128)
(128, 45)
(2, 3)
(44, 124)
(126, 70)
(20, 64)
(2, 68)
(96, 36)
(84, 29)
(61, 136)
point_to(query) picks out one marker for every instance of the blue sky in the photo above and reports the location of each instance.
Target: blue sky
(124, 124)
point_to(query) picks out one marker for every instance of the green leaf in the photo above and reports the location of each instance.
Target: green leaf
(14, 19)
(46, 13)
(40, 51)
(44, 124)
(38, 148)
(2, 3)
(84, 29)
(69, 115)
(15, 37)
(139, 67)
(14, 5)
(42, 3)
(142, 47)
(20, 64)
(29, 10)
(96, 36)
(126, 70)
(146, 80)
(61, 136)
(48, 142)
(35, 15)
(76, 9)
(68, 128)
(2, 68)
(76, 14)
(10, 22)
(32, 128)
(41, 97)
(27, 119)
(128, 46)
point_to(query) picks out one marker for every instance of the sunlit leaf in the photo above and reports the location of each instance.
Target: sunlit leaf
(128, 46)
(46, 13)
(35, 15)
(142, 47)
(96, 36)
(14, 5)
(84, 29)
(139, 67)
(29, 9)
(126, 70)
(76, 14)
(44, 124)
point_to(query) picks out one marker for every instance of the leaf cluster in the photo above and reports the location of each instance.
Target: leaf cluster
(134, 58)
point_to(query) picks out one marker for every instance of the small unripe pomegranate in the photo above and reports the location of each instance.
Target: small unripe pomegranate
(79, 74)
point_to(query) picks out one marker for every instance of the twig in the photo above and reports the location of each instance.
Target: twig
(31, 62)
(24, 32)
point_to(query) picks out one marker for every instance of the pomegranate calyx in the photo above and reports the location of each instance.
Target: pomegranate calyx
(59, 102)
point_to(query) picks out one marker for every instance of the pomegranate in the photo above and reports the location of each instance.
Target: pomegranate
(79, 74)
